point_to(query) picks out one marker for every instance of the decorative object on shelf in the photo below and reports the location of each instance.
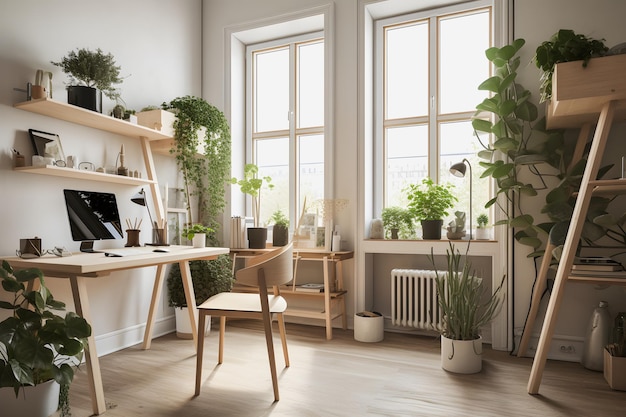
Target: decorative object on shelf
(280, 231)
(429, 204)
(204, 176)
(43, 85)
(88, 71)
(459, 170)
(208, 278)
(251, 184)
(564, 46)
(59, 342)
(398, 221)
(482, 232)
(466, 307)
(456, 228)
(377, 230)
(122, 170)
(18, 159)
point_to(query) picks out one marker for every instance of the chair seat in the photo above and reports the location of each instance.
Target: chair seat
(231, 301)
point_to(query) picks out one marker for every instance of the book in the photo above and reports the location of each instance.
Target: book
(310, 287)
(598, 267)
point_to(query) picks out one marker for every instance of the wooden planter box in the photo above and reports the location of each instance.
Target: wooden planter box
(160, 120)
(578, 93)
(615, 371)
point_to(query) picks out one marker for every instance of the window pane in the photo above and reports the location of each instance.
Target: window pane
(271, 90)
(272, 158)
(463, 66)
(406, 71)
(407, 161)
(311, 172)
(458, 142)
(311, 85)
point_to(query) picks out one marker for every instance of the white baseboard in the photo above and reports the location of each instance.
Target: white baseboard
(130, 336)
(562, 347)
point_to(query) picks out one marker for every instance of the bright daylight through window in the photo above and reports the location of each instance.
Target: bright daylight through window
(286, 103)
(429, 68)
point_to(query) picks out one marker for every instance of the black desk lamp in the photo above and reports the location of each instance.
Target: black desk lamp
(140, 198)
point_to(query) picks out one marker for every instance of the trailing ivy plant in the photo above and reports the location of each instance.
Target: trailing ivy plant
(564, 46)
(524, 158)
(204, 175)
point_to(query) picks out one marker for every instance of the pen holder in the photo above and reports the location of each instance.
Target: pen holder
(158, 237)
(132, 236)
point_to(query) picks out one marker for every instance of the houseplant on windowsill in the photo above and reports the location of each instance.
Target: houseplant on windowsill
(429, 204)
(208, 278)
(251, 184)
(280, 233)
(482, 232)
(397, 221)
(88, 71)
(40, 348)
(465, 306)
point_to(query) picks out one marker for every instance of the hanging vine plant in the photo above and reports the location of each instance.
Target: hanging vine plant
(202, 150)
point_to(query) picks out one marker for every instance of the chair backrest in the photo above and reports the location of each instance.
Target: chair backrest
(277, 268)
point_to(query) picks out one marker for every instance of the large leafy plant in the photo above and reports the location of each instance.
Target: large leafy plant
(430, 201)
(252, 184)
(92, 69)
(37, 344)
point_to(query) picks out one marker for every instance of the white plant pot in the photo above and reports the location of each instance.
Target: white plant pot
(462, 356)
(483, 233)
(199, 240)
(183, 325)
(39, 401)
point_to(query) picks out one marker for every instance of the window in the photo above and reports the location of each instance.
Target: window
(428, 68)
(286, 120)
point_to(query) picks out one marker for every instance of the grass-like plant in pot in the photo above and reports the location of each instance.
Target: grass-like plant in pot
(429, 204)
(89, 70)
(466, 306)
(280, 235)
(397, 221)
(38, 345)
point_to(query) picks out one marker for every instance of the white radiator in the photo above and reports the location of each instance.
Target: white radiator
(414, 299)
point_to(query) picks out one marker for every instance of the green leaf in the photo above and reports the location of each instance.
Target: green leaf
(503, 171)
(524, 220)
(481, 125)
(491, 84)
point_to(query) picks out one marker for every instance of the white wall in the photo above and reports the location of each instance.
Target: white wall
(157, 44)
(536, 21)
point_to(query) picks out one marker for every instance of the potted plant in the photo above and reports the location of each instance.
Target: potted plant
(395, 220)
(456, 228)
(251, 184)
(429, 204)
(197, 233)
(40, 348)
(280, 233)
(88, 71)
(208, 278)
(482, 232)
(466, 306)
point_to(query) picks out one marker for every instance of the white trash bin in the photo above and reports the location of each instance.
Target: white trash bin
(369, 326)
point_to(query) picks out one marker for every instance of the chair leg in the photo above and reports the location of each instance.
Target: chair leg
(267, 324)
(220, 355)
(283, 336)
(200, 350)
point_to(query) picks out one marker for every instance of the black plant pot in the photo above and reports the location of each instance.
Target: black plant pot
(257, 237)
(431, 229)
(86, 97)
(280, 236)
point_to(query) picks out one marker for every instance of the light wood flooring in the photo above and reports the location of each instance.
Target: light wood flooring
(400, 376)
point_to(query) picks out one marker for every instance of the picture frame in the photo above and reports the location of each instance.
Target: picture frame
(47, 145)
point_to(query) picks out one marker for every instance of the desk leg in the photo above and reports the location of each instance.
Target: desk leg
(81, 303)
(156, 295)
(190, 297)
(327, 306)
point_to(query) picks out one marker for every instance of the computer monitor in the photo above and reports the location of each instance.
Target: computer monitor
(93, 216)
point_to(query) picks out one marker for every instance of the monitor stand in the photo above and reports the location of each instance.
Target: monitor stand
(87, 246)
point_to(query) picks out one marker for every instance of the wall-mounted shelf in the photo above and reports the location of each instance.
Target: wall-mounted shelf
(83, 175)
(84, 117)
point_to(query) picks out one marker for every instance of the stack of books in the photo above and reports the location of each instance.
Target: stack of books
(600, 266)
(310, 287)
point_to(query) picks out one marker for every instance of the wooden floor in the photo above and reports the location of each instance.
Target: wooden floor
(400, 376)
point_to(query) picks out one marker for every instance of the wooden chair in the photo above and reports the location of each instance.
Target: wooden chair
(268, 270)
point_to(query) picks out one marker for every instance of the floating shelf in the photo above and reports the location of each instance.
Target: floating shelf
(83, 175)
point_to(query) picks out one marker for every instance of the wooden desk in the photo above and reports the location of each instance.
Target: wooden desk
(82, 266)
(334, 304)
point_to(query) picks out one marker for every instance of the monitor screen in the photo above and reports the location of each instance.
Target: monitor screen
(93, 216)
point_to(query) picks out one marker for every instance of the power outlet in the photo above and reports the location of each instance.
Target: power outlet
(569, 349)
